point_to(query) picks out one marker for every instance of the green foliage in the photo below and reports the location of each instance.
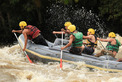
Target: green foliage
(33, 11)
(112, 9)
(12, 12)
(66, 2)
(76, 1)
(13, 2)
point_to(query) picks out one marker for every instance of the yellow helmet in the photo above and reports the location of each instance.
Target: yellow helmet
(72, 28)
(92, 31)
(111, 35)
(22, 24)
(67, 24)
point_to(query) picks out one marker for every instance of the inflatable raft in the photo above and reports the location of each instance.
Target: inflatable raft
(52, 53)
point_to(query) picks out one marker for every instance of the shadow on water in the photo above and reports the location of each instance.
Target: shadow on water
(58, 14)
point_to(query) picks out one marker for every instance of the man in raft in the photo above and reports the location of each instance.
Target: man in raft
(32, 33)
(112, 47)
(91, 42)
(75, 40)
(63, 31)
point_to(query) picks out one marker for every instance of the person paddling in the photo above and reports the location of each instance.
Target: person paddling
(32, 33)
(91, 42)
(58, 40)
(75, 40)
(112, 47)
(64, 30)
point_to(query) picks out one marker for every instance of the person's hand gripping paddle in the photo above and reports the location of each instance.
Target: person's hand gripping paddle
(21, 48)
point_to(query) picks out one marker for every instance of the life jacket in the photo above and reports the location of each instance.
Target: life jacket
(91, 44)
(113, 47)
(78, 39)
(34, 31)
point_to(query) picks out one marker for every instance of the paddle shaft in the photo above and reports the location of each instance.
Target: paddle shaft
(101, 44)
(56, 36)
(22, 49)
(107, 55)
(61, 53)
(62, 46)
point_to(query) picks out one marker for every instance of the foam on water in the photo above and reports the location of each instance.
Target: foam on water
(14, 67)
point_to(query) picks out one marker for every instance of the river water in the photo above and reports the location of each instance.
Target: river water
(15, 67)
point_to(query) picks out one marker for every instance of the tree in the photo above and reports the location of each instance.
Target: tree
(111, 12)
(112, 9)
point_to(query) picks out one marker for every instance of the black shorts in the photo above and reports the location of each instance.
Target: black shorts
(88, 50)
(40, 40)
(75, 50)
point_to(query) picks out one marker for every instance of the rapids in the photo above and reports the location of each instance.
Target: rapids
(15, 67)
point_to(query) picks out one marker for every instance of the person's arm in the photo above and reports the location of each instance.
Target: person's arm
(105, 40)
(86, 37)
(25, 37)
(70, 42)
(58, 32)
(19, 31)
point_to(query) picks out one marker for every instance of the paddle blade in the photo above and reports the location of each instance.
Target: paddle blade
(29, 59)
(60, 63)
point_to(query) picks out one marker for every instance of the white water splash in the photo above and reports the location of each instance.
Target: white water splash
(14, 67)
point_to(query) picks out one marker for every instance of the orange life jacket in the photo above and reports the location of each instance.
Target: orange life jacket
(34, 31)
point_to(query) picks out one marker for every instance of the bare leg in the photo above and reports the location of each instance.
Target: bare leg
(119, 60)
(114, 53)
(83, 47)
(100, 54)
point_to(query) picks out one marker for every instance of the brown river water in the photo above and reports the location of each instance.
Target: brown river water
(14, 67)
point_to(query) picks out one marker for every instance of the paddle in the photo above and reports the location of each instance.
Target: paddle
(100, 41)
(56, 36)
(106, 54)
(21, 48)
(101, 44)
(61, 53)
